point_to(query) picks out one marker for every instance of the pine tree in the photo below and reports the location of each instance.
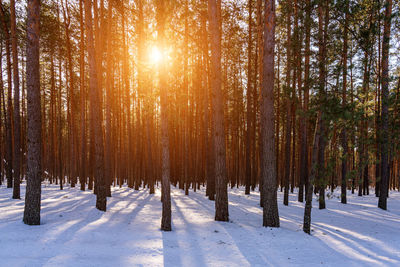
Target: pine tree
(221, 198)
(95, 112)
(34, 171)
(270, 209)
(385, 107)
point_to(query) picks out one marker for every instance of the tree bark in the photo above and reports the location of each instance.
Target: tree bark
(221, 200)
(82, 169)
(343, 198)
(313, 173)
(2, 113)
(270, 209)
(165, 168)
(323, 18)
(9, 118)
(249, 104)
(289, 92)
(33, 187)
(385, 107)
(17, 117)
(109, 88)
(95, 112)
(304, 141)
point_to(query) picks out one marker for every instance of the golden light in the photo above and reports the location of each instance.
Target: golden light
(155, 55)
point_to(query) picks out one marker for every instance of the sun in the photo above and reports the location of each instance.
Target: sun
(155, 55)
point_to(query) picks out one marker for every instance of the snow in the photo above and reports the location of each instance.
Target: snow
(74, 233)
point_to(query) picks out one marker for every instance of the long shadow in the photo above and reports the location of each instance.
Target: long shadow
(196, 198)
(92, 215)
(368, 217)
(5, 201)
(358, 243)
(361, 251)
(78, 208)
(197, 260)
(243, 248)
(248, 249)
(171, 255)
(131, 217)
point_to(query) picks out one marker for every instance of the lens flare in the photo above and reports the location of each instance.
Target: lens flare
(155, 55)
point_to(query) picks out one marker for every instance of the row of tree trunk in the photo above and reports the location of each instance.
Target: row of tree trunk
(202, 146)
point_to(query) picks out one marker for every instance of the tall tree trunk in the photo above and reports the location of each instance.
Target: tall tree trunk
(221, 201)
(307, 83)
(344, 104)
(313, 174)
(17, 117)
(249, 103)
(60, 122)
(165, 168)
(210, 174)
(268, 166)
(72, 112)
(323, 18)
(9, 118)
(378, 113)
(385, 106)
(95, 112)
(2, 112)
(289, 92)
(33, 187)
(109, 88)
(82, 169)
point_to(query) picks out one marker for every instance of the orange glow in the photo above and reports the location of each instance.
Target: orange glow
(155, 55)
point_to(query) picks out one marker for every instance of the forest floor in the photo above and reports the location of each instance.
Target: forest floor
(74, 233)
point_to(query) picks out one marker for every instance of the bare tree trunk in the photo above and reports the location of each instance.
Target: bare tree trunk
(109, 84)
(2, 112)
(17, 117)
(221, 201)
(313, 174)
(304, 142)
(249, 104)
(385, 107)
(82, 169)
(165, 168)
(344, 132)
(95, 112)
(9, 118)
(323, 16)
(33, 188)
(208, 138)
(288, 105)
(60, 124)
(268, 166)
(72, 113)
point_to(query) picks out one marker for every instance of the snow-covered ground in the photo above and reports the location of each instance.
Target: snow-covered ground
(74, 233)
